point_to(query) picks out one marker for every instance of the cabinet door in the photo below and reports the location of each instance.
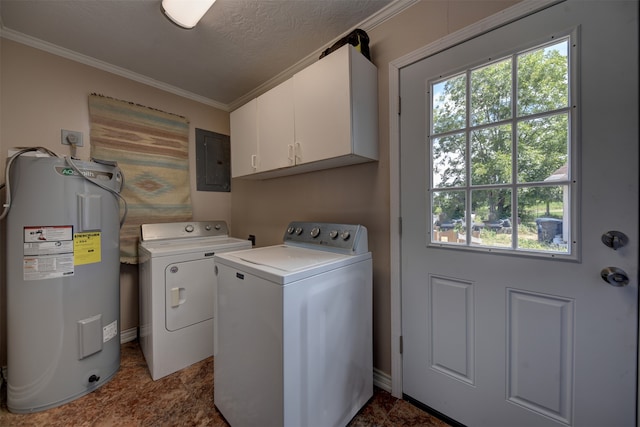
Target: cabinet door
(275, 128)
(244, 140)
(322, 108)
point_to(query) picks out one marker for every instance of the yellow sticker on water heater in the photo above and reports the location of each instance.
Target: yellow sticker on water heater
(86, 248)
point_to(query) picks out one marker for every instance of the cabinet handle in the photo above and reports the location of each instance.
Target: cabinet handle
(253, 161)
(290, 155)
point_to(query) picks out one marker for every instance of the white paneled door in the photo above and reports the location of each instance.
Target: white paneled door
(514, 335)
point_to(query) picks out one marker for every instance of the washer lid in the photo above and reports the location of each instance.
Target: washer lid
(285, 264)
(288, 259)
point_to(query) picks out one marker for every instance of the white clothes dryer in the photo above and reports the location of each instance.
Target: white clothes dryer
(178, 291)
(295, 329)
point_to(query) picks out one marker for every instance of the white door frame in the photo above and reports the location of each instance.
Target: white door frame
(520, 10)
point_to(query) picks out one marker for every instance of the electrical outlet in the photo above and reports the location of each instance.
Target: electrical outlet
(72, 137)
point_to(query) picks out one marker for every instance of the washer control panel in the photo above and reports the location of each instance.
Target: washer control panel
(183, 230)
(342, 238)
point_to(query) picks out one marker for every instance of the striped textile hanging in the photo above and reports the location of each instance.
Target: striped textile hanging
(152, 150)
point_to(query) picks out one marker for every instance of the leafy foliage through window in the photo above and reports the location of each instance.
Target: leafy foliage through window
(500, 142)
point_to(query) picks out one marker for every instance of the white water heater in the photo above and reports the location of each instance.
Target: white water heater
(63, 280)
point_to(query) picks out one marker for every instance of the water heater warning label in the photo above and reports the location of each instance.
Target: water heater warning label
(86, 248)
(48, 234)
(48, 252)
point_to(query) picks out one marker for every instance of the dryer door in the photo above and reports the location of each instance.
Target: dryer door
(190, 292)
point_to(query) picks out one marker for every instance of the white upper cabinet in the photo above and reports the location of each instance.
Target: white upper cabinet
(275, 128)
(323, 117)
(244, 141)
(336, 109)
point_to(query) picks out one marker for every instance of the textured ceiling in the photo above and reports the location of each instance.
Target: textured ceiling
(238, 46)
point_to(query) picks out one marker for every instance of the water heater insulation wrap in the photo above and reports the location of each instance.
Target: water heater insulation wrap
(63, 281)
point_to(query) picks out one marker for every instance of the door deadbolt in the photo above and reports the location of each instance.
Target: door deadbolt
(615, 239)
(614, 276)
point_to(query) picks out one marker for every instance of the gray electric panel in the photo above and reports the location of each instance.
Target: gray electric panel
(63, 281)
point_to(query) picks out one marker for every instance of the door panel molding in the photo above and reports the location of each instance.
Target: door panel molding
(540, 337)
(452, 327)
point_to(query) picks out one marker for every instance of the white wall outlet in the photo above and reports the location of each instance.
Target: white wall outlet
(72, 137)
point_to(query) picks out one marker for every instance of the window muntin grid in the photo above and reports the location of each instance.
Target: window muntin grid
(500, 141)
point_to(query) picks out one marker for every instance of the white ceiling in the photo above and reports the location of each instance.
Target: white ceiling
(237, 49)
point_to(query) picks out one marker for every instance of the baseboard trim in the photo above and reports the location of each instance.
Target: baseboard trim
(381, 380)
(128, 335)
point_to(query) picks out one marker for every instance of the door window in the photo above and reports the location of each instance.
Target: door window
(501, 154)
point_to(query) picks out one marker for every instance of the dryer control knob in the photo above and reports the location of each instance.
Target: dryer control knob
(299, 231)
(290, 230)
(208, 227)
(333, 234)
(315, 232)
(345, 235)
(189, 228)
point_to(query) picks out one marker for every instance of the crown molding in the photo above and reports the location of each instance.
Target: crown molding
(18, 37)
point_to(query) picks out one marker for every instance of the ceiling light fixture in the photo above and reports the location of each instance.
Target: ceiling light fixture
(186, 13)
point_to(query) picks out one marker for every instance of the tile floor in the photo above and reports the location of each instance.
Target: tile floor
(184, 398)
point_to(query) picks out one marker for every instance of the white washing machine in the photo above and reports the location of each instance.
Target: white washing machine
(295, 329)
(178, 291)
